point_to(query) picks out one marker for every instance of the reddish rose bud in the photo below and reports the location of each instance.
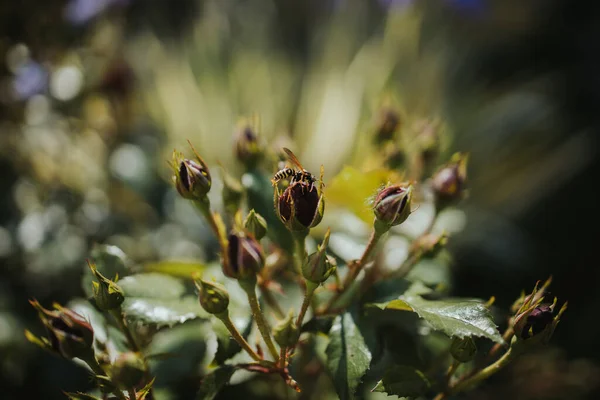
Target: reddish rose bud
(247, 147)
(69, 334)
(392, 205)
(245, 256)
(191, 177)
(388, 123)
(448, 183)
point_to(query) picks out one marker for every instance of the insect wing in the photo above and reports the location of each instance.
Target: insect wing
(292, 157)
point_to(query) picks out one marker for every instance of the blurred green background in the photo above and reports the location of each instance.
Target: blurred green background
(95, 94)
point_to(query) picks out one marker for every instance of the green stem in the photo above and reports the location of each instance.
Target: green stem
(310, 290)
(237, 336)
(97, 369)
(117, 313)
(482, 375)
(299, 250)
(249, 287)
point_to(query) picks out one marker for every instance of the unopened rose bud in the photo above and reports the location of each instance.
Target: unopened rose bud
(245, 256)
(128, 370)
(192, 177)
(535, 321)
(392, 205)
(388, 124)
(448, 183)
(463, 349)
(319, 266)
(213, 297)
(286, 332)
(255, 224)
(107, 294)
(300, 206)
(69, 334)
(247, 147)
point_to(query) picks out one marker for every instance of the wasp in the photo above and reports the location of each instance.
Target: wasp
(297, 176)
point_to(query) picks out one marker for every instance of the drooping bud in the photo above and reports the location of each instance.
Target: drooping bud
(191, 177)
(286, 332)
(319, 266)
(69, 334)
(392, 205)
(429, 245)
(463, 349)
(245, 256)
(247, 147)
(128, 370)
(213, 296)
(301, 205)
(448, 183)
(255, 224)
(232, 193)
(107, 294)
(388, 123)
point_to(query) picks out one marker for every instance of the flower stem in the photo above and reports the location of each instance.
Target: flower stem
(299, 250)
(117, 313)
(310, 290)
(482, 375)
(249, 287)
(97, 369)
(224, 317)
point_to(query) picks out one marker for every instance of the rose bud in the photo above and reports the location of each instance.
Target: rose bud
(69, 334)
(392, 205)
(387, 125)
(301, 205)
(107, 294)
(286, 332)
(192, 177)
(128, 370)
(245, 257)
(463, 349)
(319, 266)
(255, 224)
(247, 147)
(448, 183)
(213, 297)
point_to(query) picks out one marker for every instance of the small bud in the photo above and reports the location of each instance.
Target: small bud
(392, 205)
(192, 177)
(387, 125)
(213, 296)
(69, 334)
(107, 294)
(232, 193)
(245, 256)
(247, 147)
(319, 266)
(286, 332)
(128, 370)
(255, 224)
(448, 182)
(429, 246)
(463, 349)
(301, 205)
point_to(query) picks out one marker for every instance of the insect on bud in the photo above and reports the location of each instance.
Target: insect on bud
(191, 177)
(255, 224)
(392, 205)
(463, 349)
(388, 123)
(245, 256)
(69, 334)
(247, 147)
(107, 294)
(319, 266)
(286, 332)
(448, 182)
(128, 370)
(213, 296)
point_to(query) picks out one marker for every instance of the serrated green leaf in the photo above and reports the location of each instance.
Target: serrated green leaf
(180, 269)
(348, 357)
(163, 311)
(403, 381)
(152, 285)
(213, 382)
(454, 317)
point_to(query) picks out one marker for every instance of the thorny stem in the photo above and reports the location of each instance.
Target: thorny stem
(97, 369)
(310, 290)
(299, 250)
(482, 375)
(249, 287)
(237, 336)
